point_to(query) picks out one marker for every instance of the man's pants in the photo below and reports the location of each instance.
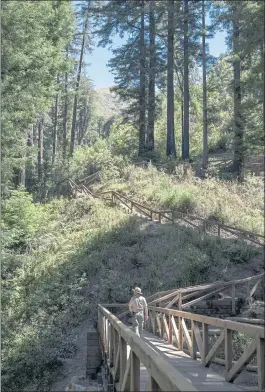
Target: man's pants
(138, 323)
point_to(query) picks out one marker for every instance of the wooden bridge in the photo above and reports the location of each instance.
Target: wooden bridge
(178, 347)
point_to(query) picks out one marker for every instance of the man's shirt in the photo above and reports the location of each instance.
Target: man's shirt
(138, 304)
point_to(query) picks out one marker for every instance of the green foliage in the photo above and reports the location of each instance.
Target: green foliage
(33, 37)
(21, 218)
(225, 201)
(90, 253)
(87, 160)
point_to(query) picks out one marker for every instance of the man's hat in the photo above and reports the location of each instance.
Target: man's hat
(137, 290)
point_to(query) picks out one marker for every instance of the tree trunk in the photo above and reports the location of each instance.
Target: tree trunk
(263, 67)
(72, 142)
(65, 113)
(151, 91)
(40, 150)
(142, 107)
(186, 142)
(238, 121)
(171, 144)
(204, 87)
(54, 134)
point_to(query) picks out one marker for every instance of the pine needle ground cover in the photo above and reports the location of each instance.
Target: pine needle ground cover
(82, 252)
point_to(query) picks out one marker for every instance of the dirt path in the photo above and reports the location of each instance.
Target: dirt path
(75, 366)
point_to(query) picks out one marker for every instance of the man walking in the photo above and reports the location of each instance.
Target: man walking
(139, 311)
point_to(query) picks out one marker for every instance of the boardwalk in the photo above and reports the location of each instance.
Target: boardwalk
(202, 378)
(155, 364)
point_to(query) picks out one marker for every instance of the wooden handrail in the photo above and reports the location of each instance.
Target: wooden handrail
(180, 332)
(116, 337)
(184, 217)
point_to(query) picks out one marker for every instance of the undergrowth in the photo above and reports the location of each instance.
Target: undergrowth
(239, 205)
(80, 253)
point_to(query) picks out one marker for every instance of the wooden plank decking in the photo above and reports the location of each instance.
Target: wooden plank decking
(202, 378)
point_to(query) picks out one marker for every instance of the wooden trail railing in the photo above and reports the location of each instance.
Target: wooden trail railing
(187, 297)
(183, 328)
(124, 352)
(171, 216)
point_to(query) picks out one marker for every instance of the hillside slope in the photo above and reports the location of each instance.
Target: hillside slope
(87, 253)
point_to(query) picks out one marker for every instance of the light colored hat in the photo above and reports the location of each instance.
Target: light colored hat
(137, 290)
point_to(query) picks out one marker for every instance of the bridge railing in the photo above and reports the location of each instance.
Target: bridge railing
(183, 328)
(125, 353)
(183, 298)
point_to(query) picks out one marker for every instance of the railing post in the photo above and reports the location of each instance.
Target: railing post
(170, 340)
(180, 334)
(117, 357)
(233, 298)
(228, 350)
(99, 324)
(193, 341)
(162, 327)
(219, 229)
(159, 217)
(260, 363)
(155, 323)
(153, 385)
(123, 359)
(205, 342)
(135, 373)
(180, 301)
(107, 336)
(104, 333)
(111, 343)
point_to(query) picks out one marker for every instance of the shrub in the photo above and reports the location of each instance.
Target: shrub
(21, 218)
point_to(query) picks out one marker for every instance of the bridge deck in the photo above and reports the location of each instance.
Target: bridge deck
(201, 377)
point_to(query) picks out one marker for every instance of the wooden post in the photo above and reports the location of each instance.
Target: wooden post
(205, 341)
(162, 326)
(117, 358)
(131, 207)
(151, 215)
(159, 217)
(180, 347)
(260, 363)
(123, 359)
(107, 337)
(99, 324)
(180, 301)
(103, 333)
(170, 338)
(228, 350)
(111, 344)
(135, 373)
(115, 345)
(155, 323)
(219, 230)
(153, 385)
(193, 342)
(233, 298)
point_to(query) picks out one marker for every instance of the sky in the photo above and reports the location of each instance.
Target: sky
(101, 75)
